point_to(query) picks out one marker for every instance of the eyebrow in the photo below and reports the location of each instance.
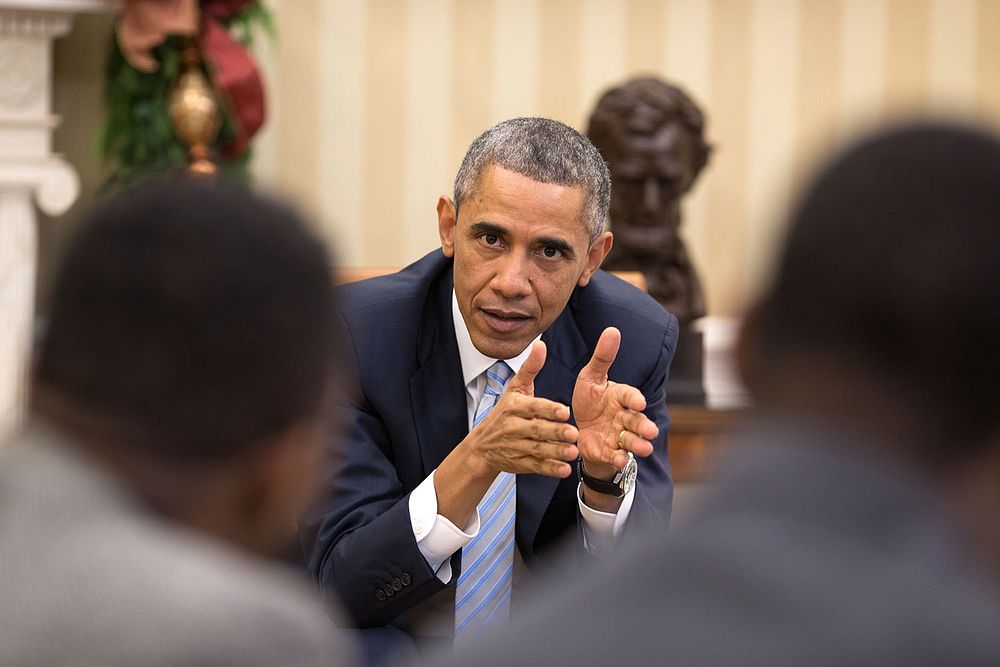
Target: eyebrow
(483, 227)
(558, 244)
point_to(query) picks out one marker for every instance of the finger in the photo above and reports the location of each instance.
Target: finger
(541, 430)
(555, 469)
(524, 381)
(629, 397)
(548, 458)
(540, 408)
(640, 424)
(632, 443)
(619, 458)
(604, 355)
(554, 451)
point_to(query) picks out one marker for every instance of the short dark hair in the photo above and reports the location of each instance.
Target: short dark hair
(195, 320)
(545, 151)
(892, 263)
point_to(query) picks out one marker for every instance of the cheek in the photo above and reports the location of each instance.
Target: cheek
(554, 291)
(471, 275)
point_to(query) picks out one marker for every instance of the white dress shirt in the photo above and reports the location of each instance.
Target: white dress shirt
(437, 537)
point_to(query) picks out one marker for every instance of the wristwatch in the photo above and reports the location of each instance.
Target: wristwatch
(618, 487)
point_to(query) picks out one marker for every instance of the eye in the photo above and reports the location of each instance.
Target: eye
(491, 241)
(551, 253)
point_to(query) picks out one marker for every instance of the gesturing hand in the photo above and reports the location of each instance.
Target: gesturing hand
(523, 433)
(608, 414)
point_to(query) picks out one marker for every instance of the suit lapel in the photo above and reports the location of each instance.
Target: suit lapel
(566, 353)
(436, 389)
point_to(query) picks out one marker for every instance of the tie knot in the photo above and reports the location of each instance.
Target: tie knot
(497, 377)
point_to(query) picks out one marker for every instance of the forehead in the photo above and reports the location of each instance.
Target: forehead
(666, 149)
(670, 139)
(514, 200)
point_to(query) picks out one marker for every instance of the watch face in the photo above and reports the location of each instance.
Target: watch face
(628, 480)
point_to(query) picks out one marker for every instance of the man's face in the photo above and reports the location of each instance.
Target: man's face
(520, 247)
(650, 173)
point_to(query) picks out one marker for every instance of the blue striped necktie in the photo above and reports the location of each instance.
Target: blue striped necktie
(482, 593)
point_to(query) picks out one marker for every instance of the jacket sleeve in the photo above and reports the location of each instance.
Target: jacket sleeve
(359, 540)
(654, 489)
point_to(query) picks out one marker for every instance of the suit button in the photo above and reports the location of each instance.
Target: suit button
(397, 584)
(405, 579)
(388, 590)
(380, 595)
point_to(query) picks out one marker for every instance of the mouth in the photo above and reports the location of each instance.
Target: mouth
(504, 321)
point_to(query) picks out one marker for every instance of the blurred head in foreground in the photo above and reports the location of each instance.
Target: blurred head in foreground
(189, 349)
(884, 312)
(177, 427)
(856, 519)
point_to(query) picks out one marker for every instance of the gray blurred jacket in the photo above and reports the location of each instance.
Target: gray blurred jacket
(88, 577)
(800, 555)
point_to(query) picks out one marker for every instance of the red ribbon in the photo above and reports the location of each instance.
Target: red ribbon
(234, 71)
(146, 23)
(223, 9)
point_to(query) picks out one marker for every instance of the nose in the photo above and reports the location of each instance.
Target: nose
(511, 278)
(651, 195)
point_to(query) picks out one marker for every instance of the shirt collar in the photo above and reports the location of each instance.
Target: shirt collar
(474, 362)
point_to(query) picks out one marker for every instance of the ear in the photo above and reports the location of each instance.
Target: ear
(599, 249)
(446, 225)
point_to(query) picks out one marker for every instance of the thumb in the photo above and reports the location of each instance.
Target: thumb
(524, 381)
(605, 352)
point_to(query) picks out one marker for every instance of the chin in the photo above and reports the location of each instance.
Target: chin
(501, 349)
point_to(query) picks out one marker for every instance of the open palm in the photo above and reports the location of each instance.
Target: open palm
(609, 414)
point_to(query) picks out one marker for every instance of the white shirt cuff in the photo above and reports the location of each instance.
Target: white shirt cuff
(437, 537)
(601, 528)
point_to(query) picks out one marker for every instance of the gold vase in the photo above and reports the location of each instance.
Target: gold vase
(194, 111)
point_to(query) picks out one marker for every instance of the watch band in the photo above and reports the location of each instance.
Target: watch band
(608, 487)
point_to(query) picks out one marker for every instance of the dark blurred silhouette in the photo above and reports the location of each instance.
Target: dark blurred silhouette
(652, 135)
(177, 425)
(856, 522)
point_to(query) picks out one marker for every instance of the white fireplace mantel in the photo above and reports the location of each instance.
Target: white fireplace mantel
(31, 175)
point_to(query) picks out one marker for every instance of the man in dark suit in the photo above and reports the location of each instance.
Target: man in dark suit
(857, 521)
(465, 433)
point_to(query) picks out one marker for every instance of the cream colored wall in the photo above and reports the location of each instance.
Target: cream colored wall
(375, 101)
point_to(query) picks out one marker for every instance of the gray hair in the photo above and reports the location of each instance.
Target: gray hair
(546, 151)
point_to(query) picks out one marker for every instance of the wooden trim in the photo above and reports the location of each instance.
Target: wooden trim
(699, 438)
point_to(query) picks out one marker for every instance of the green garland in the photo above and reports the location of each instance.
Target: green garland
(136, 139)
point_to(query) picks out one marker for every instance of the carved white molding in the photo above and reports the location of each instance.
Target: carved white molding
(67, 6)
(33, 23)
(30, 175)
(22, 73)
(53, 183)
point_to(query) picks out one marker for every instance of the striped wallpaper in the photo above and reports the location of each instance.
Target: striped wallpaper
(374, 102)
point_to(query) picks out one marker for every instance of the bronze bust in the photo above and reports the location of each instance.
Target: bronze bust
(651, 135)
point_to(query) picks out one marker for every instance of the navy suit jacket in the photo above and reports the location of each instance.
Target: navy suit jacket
(408, 411)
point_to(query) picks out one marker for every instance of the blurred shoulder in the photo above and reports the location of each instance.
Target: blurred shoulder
(610, 301)
(105, 581)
